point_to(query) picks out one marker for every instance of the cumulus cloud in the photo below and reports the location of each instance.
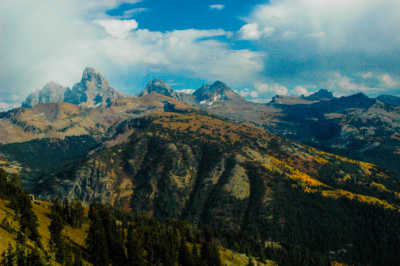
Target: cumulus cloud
(247, 93)
(344, 85)
(184, 51)
(312, 38)
(300, 90)
(270, 88)
(388, 81)
(253, 31)
(217, 6)
(342, 21)
(55, 40)
(117, 28)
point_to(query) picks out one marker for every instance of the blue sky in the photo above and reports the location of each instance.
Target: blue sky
(259, 48)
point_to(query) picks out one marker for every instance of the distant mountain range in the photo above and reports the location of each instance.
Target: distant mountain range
(356, 126)
(272, 171)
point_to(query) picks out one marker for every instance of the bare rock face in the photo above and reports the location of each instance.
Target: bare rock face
(93, 90)
(50, 93)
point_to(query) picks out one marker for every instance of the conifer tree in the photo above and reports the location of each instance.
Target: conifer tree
(134, 249)
(185, 258)
(96, 240)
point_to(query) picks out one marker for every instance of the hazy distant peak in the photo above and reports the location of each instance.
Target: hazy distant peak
(52, 92)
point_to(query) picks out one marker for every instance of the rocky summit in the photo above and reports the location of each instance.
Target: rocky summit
(92, 90)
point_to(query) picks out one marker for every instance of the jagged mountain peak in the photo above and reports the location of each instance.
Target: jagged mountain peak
(158, 86)
(92, 90)
(218, 91)
(220, 85)
(320, 95)
(91, 77)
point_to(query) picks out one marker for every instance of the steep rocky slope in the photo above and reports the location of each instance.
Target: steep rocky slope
(236, 177)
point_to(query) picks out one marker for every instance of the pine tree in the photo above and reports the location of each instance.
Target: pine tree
(77, 214)
(20, 252)
(134, 248)
(210, 254)
(78, 258)
(33, 258)
(195, 255)
(251, 263)
(8, 257)
(185, 258)
(96, 240)
(56, 240)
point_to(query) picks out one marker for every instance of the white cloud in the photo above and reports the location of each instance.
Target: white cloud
(333, 24)
(343, 85)
(270, 88)
(300, 90)
(185, 51)
(247, 93)
(367, 75)
(129, 13)
(118, 28)
(186, 91)
(57, 39)
(252, 31)
(217, 6)
(388, 81)
(312, 39)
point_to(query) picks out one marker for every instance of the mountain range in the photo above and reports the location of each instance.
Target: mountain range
(290, 171)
